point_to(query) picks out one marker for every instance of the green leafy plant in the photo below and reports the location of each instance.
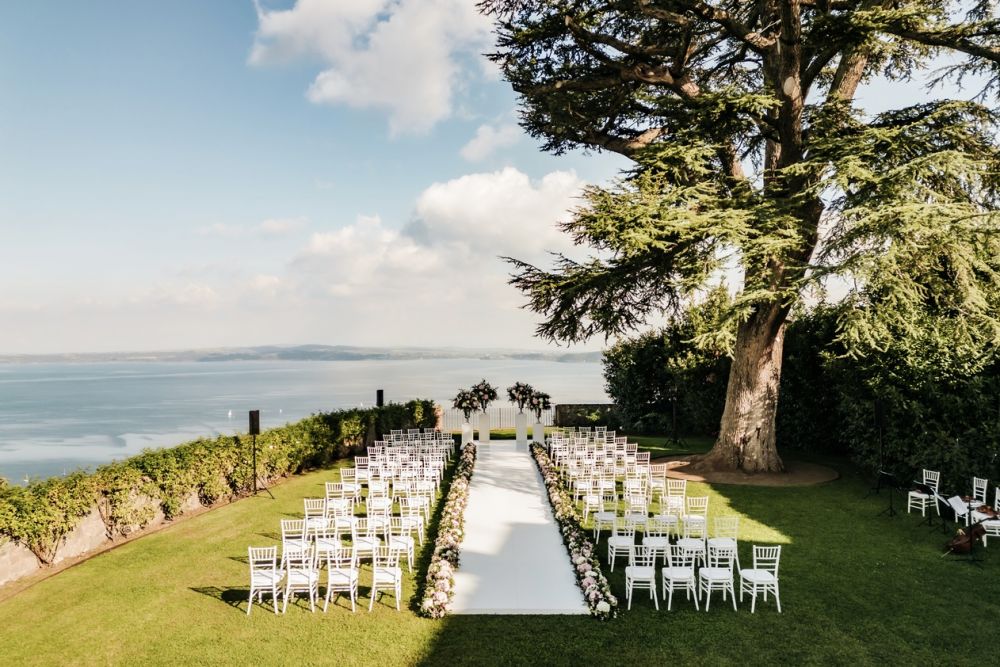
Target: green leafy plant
(127, 493)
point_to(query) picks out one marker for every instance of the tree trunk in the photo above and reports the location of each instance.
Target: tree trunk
(747, 433)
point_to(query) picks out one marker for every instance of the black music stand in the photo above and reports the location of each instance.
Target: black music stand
(928, 520)
(889, 480)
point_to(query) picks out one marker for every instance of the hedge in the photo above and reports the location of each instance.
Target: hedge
(934, 417)
(127, 493)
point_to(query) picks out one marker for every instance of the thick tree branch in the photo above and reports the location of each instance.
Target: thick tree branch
(952, 38)
(735, 28)
(627, 146)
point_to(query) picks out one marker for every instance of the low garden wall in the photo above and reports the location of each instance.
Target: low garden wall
(52, 520)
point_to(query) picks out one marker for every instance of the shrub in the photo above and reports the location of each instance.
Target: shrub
(41, 514)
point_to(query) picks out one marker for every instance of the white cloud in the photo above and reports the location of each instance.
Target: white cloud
(502, 212)
(440, 280)
(268, 227)
(279, 226)
(406, 57)
(436, 281)
(171, 294)
(221, 229)
(488, 140)
(265, 284)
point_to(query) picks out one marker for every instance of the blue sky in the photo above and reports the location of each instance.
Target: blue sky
(199, 174)
(160, 180)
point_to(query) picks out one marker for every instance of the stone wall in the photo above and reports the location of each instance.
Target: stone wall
(90, 537)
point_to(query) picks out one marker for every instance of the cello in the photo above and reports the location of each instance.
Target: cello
(962, 543)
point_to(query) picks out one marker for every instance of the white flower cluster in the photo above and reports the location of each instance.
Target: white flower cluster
(596, 589)
(440, 584)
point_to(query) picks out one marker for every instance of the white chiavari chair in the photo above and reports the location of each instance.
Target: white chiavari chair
(265, 576)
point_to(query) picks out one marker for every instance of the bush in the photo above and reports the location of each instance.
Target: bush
(40, 516)
(126, 493)
(941, 410)
(644, 374)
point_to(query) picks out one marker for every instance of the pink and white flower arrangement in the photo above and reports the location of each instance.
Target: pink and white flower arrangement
(485, 394)
(538, 402)
(440, 583)
(467, 401)
(594, 585)
(519, 394)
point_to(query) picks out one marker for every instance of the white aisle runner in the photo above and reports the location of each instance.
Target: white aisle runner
(513, 560)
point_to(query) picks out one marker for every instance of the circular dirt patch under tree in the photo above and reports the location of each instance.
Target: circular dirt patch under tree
(797, 473)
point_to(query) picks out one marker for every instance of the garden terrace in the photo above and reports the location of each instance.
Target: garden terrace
(856, 588)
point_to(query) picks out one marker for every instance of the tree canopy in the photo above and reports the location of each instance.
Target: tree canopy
(752, 156)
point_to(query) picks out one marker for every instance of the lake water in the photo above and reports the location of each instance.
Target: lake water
(58, 417)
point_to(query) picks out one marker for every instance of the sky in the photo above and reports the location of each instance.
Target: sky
(200, 174)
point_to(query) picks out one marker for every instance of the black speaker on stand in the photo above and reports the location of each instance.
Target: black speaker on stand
(254, 432)
(379, 398)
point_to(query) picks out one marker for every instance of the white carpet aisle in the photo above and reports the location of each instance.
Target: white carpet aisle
(513, 560)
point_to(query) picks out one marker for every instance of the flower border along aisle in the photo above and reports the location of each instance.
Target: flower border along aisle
(439, 588)
(583, 554)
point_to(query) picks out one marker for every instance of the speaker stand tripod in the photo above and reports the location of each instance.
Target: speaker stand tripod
(258, 483)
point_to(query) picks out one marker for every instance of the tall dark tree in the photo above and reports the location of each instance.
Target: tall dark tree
(751, 152)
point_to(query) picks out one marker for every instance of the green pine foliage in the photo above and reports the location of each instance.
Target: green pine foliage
(686, 361)
(752, 157)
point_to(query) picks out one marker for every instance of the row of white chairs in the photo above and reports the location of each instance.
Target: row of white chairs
(416, 435)
(300, 571)
(657, 533)
(716, 574)
(314, 542)
(604, 473)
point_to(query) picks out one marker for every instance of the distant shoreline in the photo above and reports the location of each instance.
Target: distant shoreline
(303, 353)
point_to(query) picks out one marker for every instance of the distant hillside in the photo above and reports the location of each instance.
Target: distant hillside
(310, 353)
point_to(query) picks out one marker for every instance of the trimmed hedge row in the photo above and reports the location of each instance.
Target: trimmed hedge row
(128, 493)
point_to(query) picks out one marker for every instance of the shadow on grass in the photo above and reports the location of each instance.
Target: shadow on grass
(233, 597)
(276, 537)
(857, 587)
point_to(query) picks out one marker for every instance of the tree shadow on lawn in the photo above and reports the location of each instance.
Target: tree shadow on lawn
(232, 597)
(856, 588)
(276, 537)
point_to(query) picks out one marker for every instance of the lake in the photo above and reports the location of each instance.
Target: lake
(58, 417)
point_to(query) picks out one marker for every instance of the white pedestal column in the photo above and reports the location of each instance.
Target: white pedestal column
(538, 433)
(484, 427)
(466, 433)
(521, 428)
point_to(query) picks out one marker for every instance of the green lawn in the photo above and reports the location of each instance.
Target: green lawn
(856, 588)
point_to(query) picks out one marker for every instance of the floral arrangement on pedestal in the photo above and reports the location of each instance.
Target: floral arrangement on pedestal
(520, 394)
(538, 402)
(439, 588)
(485, 394)
(582, 552)
(467, 401)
